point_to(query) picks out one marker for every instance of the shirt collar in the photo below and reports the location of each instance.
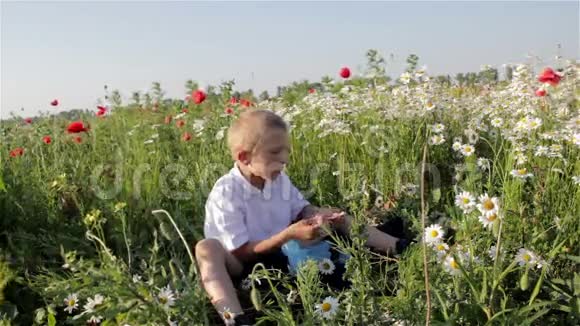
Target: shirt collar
(247, 185)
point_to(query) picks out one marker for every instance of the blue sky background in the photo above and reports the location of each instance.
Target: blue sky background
(69, 50)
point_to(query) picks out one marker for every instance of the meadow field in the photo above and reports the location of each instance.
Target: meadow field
(101, 208)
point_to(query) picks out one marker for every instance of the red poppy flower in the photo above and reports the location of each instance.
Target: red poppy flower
(198, 96)
(168, 119)
(312, 91)
(245, 103)
(180, 123)
(184, 110)
(78, 139)
(233, 100)
(47, 139)
(76, 127)
(28, 120)
(102, 111)
(344, 72)
(186, 136)
(549, 76)
(229, 111)
(54, 102)
(19, 151)
(541, 92)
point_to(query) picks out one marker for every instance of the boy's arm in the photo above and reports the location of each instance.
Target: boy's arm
(301, 230)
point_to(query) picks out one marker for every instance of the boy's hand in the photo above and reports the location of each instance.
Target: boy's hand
(304, 230)
(330, 215)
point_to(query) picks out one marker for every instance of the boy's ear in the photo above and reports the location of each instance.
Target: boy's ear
(244, 157)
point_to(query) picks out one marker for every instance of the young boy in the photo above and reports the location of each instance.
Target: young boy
(254, 209)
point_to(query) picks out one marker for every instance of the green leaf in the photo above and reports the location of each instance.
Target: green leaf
(538, 286)
(51, 320)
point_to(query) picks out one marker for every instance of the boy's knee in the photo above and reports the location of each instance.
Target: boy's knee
(208, 248)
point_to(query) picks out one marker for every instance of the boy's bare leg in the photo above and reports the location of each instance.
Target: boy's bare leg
(216, 264)
(376, 238)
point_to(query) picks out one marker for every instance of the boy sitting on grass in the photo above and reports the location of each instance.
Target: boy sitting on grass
(253, 210)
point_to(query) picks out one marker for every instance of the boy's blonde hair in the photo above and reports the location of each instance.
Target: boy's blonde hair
(247, 131)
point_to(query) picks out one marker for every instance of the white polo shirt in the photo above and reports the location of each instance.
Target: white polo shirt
(237, 212)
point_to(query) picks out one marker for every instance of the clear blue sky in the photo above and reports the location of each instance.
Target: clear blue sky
(69, 50)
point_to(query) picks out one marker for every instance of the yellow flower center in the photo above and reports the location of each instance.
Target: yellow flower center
(488, 205)
(527, 257)
(434, 233)
(454, 265)
(163, 300)
(492, 217)
(466, 200)
(325, 265)
(71, 302)
(325, 307)
(227, 315)
(522, 171)
(440, 247)
(467, 149)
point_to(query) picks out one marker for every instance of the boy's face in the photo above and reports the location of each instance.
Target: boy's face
(270, 155)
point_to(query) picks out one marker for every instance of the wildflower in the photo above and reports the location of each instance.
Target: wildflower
(541, 151)
(440, 248)
(47, 140)
(28, 120)
(78, 139)
(92, 303)
(472, 136)
(229, 111)
(576, 139)
(328, 308)
(101, 111)
(429, 106)
(456, 146)
(18, 151)
(497, 122)
(465, 201)
(93, 217)
(76, 127)
(452, 266)
(467, 150)
(527, 258)
(576, 180)
(233, 101)
(120, 206)
(326, 266)
(72, 302)
(344, 72)
(483, 163)
(521, 173)
(54, 102)
(405, 78)
(166, 297)
(311, 90)
(167, 119)
(434, 234)
(540, 92)
(228, 317)
(95, 320)
(180, 123)
(291, 297)
(488, 205)
(198, 96)
(437, 140)
(136, 278)
(186, 136)
(245, 103)
(489, 219)
(438, 128)
(549, 76)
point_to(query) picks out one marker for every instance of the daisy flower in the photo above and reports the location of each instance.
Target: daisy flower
(92, 303)
(166, 297)
(228, 316)
(576, 139)
(472, 136)
(483, 163)
(451, 266)
(429, 106)
(326, 266)
(94, 320)
(136, 278)
(521, 173)
(72, 302)
(465, 201)
(434, 234)
(497, 122)
(467, 150)
(489, 219)
(328, 308)
(438, 128)
(527, 258)
(436, 140)
(440, 248)
(456, 146)
(576, 180)
(488, 205)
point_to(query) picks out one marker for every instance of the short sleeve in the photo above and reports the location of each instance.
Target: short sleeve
(297, 202)
(225, 219)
